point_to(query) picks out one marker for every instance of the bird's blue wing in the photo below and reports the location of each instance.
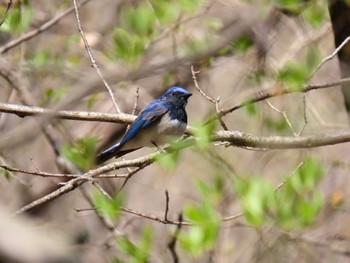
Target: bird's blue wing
(148, 116)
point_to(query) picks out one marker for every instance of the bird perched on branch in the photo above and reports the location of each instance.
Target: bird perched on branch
(161, 120)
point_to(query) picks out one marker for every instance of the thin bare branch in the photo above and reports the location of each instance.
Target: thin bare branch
(166, 205)
(279, 91)
(137, 96)
(42, 174)
(93, 61)
(284, 114)
(194, 73)
(331, 56)
(172, 242)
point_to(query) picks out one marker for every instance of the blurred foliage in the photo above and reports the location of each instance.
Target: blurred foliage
(316, 13)
(40, 58)
(53, 95)
(5, 173)
(296, 203)
(279, 124)
(203, 133)
(295, 74)
(138, 253)
(81, 153)
(202, 236)
(107, 207)
(18, 18)
(251, 109)
(143, 23)
(169, 157)
(243, 43)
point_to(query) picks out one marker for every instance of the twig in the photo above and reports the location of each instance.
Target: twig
(286, 179)
(222, 123)
(233, 217)
(172, 242)
(157, 219)
(216, 102)
(166, 205)
(331, 56)
(284, 114)
(105, 221)
(197, 86)
(42, 174)
(137, 96)
(319, 243)
(305, 116)
(6, 12)
(93, 61)
(25, 37)
(131, 173)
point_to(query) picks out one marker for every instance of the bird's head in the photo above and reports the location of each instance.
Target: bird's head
(178, 96)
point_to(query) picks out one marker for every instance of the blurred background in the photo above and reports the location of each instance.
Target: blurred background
(246, 204)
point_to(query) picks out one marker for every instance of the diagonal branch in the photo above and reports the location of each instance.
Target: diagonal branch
(93, 61)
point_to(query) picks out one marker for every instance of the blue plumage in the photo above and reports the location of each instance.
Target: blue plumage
(164, 118)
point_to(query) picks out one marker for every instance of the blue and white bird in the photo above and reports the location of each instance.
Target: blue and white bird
(158, 123)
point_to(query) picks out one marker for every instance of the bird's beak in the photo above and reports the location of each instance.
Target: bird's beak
(187, 95)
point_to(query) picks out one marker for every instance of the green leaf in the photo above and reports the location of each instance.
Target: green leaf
(309, 209)
(203, 134)
(139, 20)
(251, 109)
(53, 95)
(5, 173)
(17, 19)
(310, 173)
(190, 5)
(256, 77)
(294, 75)
(128, 46)
(313, 58)
(168, 160)
(299, 201)
(292, 6)
(315, 14)
(278, 124)
(139, 253)
(82, 153)
(108, 207)
(203, 235)
(243, 43)
(166, 11)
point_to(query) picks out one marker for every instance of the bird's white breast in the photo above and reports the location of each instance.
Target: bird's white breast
(172, 127)
(165, 131)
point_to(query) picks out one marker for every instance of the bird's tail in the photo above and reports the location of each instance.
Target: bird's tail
(113, 151)
(107, 154)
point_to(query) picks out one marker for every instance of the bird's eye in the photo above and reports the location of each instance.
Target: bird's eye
(174, 93)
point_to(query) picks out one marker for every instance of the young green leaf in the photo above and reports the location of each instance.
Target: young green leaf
(108, 207)
(5, 173)
(82, 153)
